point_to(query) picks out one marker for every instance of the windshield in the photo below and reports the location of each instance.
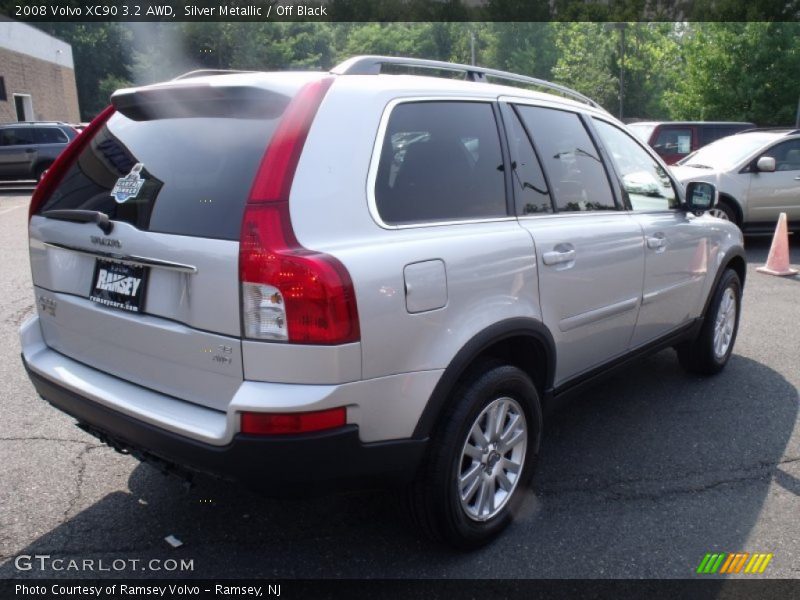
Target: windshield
(642, 130)
(727, 152)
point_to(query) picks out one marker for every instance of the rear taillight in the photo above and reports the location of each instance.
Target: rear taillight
(288, 423)
(65, 160)
(290, 293)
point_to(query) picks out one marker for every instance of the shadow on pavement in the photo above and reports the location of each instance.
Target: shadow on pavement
(638, 478)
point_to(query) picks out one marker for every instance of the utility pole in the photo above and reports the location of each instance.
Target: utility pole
(797, 117)
(472, 45)
(621, 70)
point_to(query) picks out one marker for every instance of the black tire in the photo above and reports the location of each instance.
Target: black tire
(699, 356)
(433, 499)
(728, 212)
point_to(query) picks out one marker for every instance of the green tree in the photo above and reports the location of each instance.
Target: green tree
(586, 61)
(738, 71)
(394, 39)
(525, 48)
(652, 64)
(592, 58)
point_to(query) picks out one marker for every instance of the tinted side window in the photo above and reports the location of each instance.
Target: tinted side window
(786, 155)
(531, 195)
(17, 136)
(50, 135)
(671, 140)
(711, 133)
(440, 161)
(645, 182)
(570, 158)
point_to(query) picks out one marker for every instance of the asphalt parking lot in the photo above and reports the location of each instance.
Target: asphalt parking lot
(639, 478)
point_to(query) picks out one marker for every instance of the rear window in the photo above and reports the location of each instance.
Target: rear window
(175, 163)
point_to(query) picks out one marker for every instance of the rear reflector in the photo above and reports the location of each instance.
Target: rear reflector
(65, 160)
(288, 423)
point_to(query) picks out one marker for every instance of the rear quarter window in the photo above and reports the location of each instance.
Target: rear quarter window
(50, 135)
(440, 161)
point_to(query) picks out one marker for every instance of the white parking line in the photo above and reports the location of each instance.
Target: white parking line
(8, 210)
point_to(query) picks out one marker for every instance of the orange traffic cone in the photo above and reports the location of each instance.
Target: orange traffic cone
(778, 259)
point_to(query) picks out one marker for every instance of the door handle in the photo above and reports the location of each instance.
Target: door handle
(797, 178)
(562, 253)
(656, 242)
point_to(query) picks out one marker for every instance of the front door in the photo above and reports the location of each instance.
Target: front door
(676, 247)
(773, 193)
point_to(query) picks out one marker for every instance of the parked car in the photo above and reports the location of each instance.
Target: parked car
(327, 280)
(27, 149)
(673, 140)
(757, 174)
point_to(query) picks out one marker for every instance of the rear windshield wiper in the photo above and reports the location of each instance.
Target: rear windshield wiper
(82, 216)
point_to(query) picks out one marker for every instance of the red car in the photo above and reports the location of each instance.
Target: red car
(675, 139)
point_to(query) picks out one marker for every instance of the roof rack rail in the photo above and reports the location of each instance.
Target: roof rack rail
(786, 130)
(372, 65)
(207, 72)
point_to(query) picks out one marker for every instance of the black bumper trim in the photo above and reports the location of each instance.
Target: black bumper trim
(322, 461)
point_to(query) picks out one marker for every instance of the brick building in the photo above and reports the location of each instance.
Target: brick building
(37, 76)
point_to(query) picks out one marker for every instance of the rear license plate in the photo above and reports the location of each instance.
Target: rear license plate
(119, 285)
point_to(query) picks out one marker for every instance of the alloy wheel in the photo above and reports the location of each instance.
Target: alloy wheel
(492, 459)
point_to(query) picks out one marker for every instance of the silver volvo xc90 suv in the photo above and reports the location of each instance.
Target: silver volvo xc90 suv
(309, 281)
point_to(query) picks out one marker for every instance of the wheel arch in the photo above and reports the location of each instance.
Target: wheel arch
(733, 203)
(523, 342)
(734, 259)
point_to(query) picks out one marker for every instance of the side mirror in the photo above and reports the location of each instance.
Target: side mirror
(766, 164)
(700, 196)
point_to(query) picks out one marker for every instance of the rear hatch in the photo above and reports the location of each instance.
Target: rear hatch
(135, 252)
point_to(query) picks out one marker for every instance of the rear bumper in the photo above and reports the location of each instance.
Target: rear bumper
(322, 461)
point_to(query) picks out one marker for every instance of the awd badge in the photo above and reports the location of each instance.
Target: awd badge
(128, 187)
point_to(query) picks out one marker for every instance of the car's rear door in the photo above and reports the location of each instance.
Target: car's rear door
(676, 245)
(587, 249)
(17, 152)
